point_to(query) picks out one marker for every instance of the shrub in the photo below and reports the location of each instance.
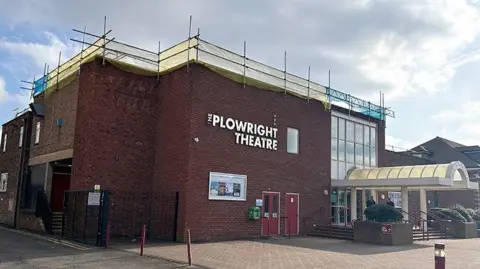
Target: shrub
(471, 212)
(476, 215)
(460, 209)
(383, 213)
(450, 214)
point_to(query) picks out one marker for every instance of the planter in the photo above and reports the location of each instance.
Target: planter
(458, 229)
(392, 234)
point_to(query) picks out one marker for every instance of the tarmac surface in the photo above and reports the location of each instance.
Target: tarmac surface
(20, 250)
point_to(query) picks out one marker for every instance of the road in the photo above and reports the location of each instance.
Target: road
(23, 251)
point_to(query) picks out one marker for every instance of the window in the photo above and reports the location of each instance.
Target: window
(335, 127)
(350, 131)
(20, 139)
(341, 129)
(359, 133)
(359, 154)
(334, 149)
(4, 142)
(341, 150)
(373, 140)
(341, 170)
(292, 140)
(353, 145)
(37, 133)
(3, 182)
(350, 152)
(334, 170)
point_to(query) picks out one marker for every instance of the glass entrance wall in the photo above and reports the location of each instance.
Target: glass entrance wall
(353, 144)
(340, 202)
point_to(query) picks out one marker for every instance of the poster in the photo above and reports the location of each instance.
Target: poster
(396, 198)
(227, 187)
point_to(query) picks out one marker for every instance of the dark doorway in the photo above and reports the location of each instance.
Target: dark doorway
(60, 183)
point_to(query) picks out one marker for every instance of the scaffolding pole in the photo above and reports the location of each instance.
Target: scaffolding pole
(244, 63)
(58, 66)
(159, 60)
(189, 39)
(104, 38)
(308, 86)
(285, 73)
(198, 42)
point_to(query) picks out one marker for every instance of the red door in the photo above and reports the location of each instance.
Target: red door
(270, 213)
(291, 212)
(60, 183)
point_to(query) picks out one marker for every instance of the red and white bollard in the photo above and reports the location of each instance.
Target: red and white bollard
(142, 243)
(189, 249)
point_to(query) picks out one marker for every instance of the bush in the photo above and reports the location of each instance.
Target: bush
(383, 213)
(471, 211)
(460, 209)
(449, 214)
(476, 215)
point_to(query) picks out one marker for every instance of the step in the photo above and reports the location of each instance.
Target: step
(334, 236)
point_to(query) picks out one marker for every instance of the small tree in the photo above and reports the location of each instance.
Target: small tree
(383, 213)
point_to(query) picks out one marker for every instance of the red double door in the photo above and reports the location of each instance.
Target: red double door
(271, 213)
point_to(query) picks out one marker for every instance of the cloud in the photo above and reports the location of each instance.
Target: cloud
(397, 46)
(404, 48)
(36, 55)
(3, 91)
(397, 144)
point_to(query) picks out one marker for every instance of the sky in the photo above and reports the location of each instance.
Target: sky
(421, 53)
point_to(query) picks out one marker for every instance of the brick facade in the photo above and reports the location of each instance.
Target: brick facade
(146, 140)
(60, 104)
(9, 162)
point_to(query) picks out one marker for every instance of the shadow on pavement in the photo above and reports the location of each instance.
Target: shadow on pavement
(340, 246)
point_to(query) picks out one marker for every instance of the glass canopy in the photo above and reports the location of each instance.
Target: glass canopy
(407, 172)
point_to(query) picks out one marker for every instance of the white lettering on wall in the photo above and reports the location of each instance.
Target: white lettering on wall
(247, 133)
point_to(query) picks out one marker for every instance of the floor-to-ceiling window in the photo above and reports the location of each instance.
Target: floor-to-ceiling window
(353, 144)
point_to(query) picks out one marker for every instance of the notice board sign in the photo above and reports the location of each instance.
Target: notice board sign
(227, 187)
(94, 198)
(386, 229)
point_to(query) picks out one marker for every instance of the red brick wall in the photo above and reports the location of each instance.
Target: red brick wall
(61, 103)
(172, 152)
(115, 141)
(307, 173)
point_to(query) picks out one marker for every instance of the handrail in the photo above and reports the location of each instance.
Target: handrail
(44, 211)
(439, 220)
(424, 223)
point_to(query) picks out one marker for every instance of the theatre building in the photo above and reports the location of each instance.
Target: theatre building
(218, 132)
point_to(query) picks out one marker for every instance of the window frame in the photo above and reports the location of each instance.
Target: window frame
(297, 142)
(4, 140)
(20, 140)
(38, 127)
(3, 176)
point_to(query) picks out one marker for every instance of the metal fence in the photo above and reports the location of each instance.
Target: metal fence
(131, 210)
(85, 216)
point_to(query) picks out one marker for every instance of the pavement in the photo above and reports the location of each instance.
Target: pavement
(26, 250)
(314, 252)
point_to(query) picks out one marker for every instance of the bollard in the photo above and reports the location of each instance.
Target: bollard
(189, 250)
(439, 256)
(107, 236)
(142, 243)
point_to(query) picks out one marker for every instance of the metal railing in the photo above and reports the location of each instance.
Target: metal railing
(43, 210)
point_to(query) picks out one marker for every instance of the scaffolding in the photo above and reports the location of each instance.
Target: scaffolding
(235, 66)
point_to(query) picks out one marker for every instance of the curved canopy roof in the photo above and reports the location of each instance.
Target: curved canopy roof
(452, 175)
